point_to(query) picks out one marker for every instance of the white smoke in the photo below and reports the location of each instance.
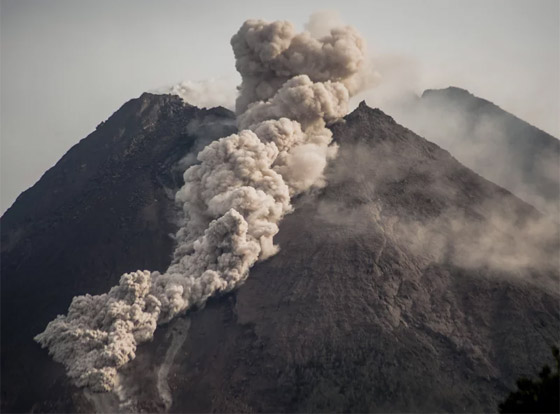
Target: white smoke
(293, 85)
(207, 93)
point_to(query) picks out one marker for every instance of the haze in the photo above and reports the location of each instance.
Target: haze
(66, 66)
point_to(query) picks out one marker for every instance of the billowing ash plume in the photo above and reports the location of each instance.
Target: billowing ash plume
(293, 85)
(268, 54)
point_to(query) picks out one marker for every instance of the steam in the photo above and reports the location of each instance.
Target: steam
(207, 93)
(293, 85)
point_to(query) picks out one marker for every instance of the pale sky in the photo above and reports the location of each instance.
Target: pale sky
(68, 65)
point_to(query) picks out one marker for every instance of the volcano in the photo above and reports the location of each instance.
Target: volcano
(407, 283)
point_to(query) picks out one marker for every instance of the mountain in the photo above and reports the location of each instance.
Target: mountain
(408, 283)
(106, 207)
(491, 141)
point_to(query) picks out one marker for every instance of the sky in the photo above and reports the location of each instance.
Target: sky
(66, 66)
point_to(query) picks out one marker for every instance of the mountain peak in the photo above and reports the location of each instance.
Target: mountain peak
(460, 97)
(363, 110)
(450, 90)
(363, 105)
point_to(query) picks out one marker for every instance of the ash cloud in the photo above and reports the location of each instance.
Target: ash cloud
(267, 55)
(102, 331)
(320, 23)
(293, 85)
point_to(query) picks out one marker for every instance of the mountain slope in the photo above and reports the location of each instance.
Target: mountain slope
(355, 314)
(103, 209)
(408, 283)
(491, 141)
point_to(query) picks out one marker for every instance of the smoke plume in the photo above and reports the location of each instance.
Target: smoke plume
(267, 55)
(207, 93)
(293, 85)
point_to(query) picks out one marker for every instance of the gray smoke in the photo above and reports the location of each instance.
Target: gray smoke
(101, 332)
(293, 85)
(268, 54)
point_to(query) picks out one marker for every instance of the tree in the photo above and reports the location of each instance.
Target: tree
(536, 396)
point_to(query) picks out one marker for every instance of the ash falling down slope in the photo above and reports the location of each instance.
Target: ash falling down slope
(404, 281)
(293, 84)
(409, 283)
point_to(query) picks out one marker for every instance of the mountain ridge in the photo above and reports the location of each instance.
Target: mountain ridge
(456, 90)
(493, 142)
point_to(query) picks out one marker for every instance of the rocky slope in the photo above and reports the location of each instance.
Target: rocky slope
(106, 207)
(409, 283)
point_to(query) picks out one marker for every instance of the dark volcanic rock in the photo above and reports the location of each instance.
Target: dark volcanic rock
(395, 288)
(350, 316)
(105, 208)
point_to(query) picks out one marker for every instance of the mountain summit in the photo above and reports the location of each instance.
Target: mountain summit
(407, 283)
